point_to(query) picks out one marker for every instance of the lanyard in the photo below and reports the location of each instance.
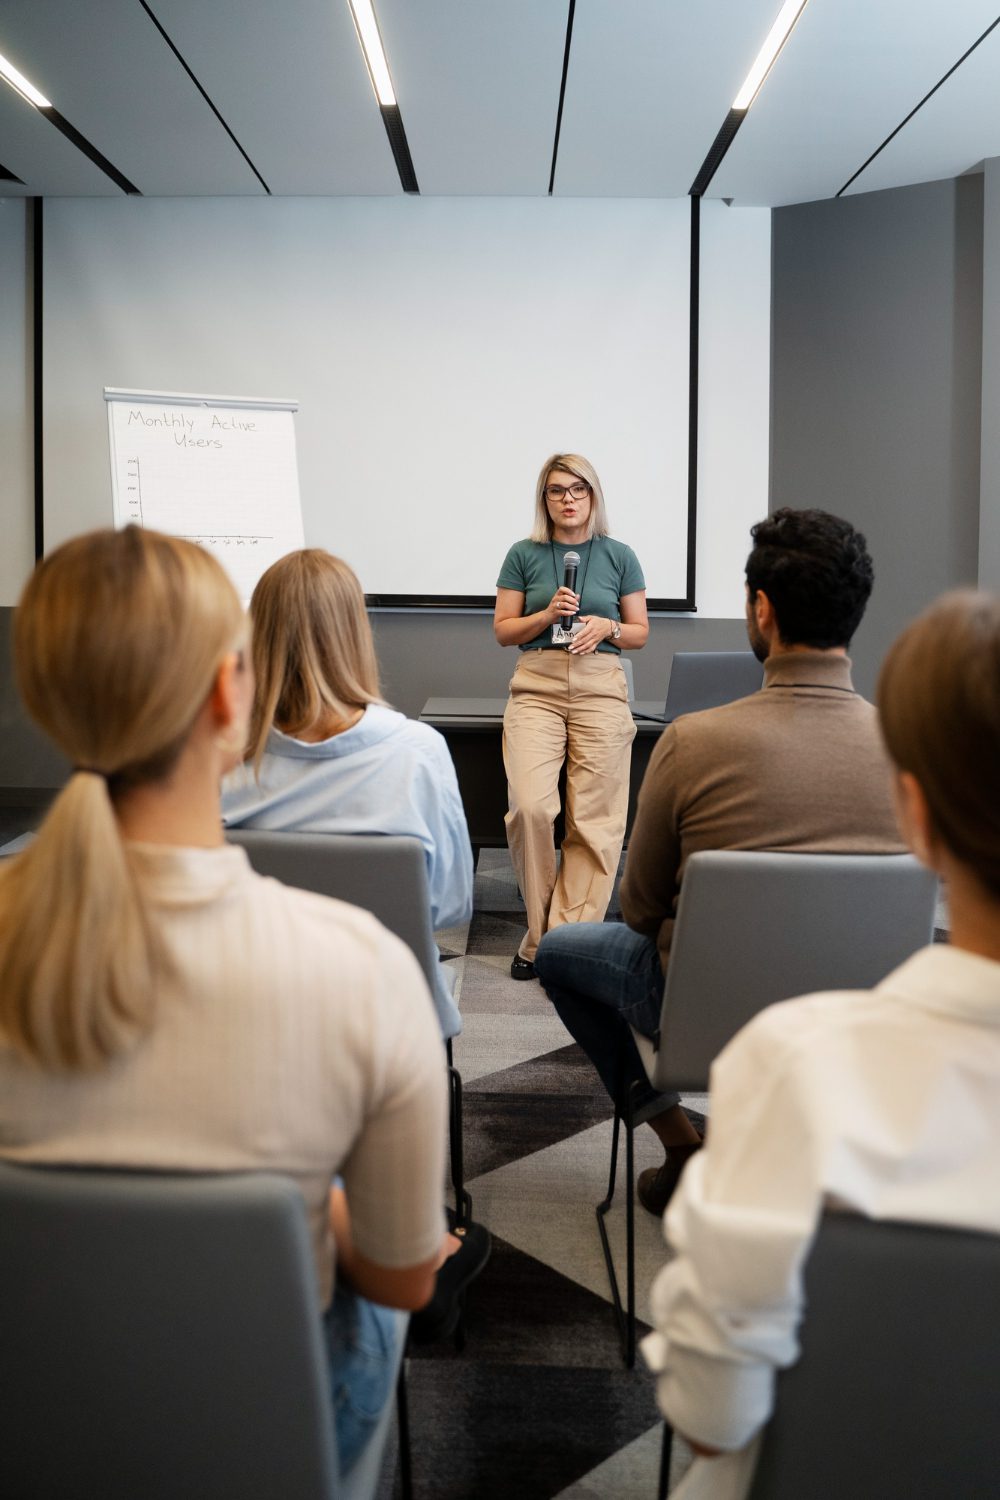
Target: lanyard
(586, 565)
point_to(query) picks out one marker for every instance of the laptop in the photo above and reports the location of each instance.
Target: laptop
(706, 679)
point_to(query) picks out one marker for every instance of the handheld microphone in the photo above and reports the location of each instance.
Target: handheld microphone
(571, 563)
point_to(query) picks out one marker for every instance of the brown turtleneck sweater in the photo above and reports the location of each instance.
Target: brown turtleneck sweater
(799, 767)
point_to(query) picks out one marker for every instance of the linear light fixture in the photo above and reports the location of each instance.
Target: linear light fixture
(370, 38)
(776, 39)
(17, 81)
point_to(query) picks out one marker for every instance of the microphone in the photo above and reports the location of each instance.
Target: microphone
(571, 563)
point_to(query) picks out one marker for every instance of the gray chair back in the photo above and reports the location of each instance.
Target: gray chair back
(160, 1337)
(629, 676)
(385, 874)
(895, 1392)
(754, 928)
(706, 679)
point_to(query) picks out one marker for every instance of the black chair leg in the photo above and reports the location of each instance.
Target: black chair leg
(665, 1452)
(463, 1201)
(403, 1423)
(624, 1316)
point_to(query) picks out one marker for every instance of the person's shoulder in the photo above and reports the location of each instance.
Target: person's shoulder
(620, 551)
(794, 1033)
(327, 935)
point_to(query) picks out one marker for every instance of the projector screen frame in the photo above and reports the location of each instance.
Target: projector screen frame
(377, 602)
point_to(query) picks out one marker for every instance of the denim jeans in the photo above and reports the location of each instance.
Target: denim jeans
(603, 978)
(361, 1345)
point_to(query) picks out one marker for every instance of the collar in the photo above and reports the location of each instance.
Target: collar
(176, 876)
(948, 981)
(376, 724)
(818, 669)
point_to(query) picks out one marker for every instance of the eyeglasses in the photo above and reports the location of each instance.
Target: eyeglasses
(579, 491)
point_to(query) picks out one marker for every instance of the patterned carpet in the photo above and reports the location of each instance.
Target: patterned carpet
(539, 1404)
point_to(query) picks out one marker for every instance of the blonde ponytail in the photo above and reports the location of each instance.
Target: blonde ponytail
(117, 640)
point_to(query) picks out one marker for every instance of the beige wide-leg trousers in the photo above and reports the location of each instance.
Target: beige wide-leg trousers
(573, 709)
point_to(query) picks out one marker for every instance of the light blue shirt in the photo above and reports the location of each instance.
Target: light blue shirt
(387, 774)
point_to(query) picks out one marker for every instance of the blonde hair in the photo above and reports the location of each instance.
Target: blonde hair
(570, 463)
(313, 652)
(117, 639)
(939, 705)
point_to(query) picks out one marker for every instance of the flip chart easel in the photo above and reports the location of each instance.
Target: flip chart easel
(218, 470)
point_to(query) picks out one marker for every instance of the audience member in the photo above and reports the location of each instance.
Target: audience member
(885, 1104)
(163, 1007)
(328, 756)
(797, 766)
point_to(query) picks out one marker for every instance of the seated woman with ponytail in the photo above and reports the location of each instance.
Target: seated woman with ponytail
(163, 1007)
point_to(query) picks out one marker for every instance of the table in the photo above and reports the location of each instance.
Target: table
(473, 728)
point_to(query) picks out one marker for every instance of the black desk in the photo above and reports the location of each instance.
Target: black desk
(473, 728)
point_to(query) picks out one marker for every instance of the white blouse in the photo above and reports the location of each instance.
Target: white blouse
(884, 1103)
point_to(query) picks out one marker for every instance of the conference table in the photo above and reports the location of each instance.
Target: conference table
(473, 728)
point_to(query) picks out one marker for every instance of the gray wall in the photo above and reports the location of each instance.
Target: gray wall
(422, 657)
(989, 503)
(875, 385)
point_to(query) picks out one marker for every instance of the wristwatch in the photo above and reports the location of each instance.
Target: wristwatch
(616, 630)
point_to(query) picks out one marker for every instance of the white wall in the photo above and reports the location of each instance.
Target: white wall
(440, 349)
(17, 554)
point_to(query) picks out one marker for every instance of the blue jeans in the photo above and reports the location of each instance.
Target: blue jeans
(361, 1345)
(603, 978)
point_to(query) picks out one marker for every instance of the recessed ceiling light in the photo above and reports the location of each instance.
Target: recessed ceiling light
(776, 39)
(20, 83)
(371, 45)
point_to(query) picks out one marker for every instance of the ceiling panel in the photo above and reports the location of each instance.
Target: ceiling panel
(109, 72)
(648, 87)
(478, 90)
(291, 82)
(952, 132)
(41, 156)
(849, 73)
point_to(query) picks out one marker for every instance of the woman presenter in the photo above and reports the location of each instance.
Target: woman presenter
(568, 699)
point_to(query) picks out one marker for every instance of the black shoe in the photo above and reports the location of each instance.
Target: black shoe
(440, 1317)
(522, 968)
(655, 1187)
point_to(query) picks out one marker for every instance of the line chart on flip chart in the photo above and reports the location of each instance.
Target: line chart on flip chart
(220, 471)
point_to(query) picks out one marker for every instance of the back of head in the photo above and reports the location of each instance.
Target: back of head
(313, 652)
(816, 571)
(117, 639)
(939, 705)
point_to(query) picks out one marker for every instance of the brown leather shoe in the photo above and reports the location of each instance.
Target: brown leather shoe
(655, 1186)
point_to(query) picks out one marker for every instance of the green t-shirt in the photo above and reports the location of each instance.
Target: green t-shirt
(608, 571)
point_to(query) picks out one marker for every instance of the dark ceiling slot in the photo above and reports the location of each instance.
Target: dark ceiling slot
(82, 144)
(562, 94)
(928, 95)
(393, 122)
(717, 151)
(205, 96)
(6, 175)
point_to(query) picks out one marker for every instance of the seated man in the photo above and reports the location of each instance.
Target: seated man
(798, 766)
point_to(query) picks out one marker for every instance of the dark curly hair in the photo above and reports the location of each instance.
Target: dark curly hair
(817, 573)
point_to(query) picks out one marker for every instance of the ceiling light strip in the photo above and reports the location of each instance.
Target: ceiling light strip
(366, 25)
(562, 95)
(766, 57)
(17, 81)
(45, 107)
(776, 39)
(930, 93)
(373, 52)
